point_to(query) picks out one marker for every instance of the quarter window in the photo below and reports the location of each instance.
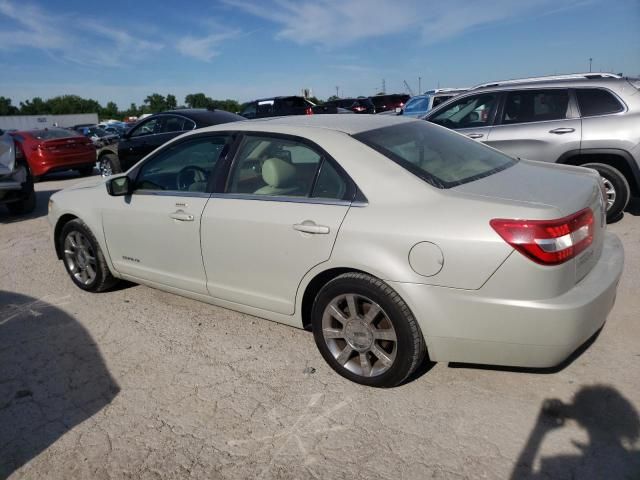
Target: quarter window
(282, 167)
(595, 101)
(535, 106)
(184, 167)
(469, 112)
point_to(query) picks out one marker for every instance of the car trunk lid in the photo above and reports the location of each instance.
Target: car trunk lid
(567, 189)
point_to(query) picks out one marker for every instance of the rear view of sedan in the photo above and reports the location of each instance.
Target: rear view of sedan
(55, 149)
(390, 239)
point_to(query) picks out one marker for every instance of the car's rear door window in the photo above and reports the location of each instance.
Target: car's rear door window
(440, 157)
(535, 106)
(596, 101)
(283, 167)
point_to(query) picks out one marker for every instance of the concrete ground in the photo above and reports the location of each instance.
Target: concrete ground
(137, 383)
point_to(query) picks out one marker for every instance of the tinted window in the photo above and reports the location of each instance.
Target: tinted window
(329, 183)
(593, 101)
(275, 167)
(186, 166)
(468, 112)
(535, 106)
(176, 124)
(149, 127)
(265, 107)
(440, 157)
(440, 99)
(249, 110)
(52, 133)
(417, 105)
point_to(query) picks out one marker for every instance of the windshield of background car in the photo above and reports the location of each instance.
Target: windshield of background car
(440, 157)
(417, 105)
(52, 133)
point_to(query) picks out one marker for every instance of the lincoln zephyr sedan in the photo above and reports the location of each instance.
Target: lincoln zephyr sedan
(389, 238)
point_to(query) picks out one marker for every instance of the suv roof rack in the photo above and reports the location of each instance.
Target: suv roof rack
(569, 76)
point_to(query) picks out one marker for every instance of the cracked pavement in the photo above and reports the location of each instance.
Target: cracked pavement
(138, 383)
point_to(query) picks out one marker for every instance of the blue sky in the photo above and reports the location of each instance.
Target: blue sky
(242, 49)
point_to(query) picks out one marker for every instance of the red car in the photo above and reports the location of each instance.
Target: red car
(55, 149)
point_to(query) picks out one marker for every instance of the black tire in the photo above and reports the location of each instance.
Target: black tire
(109, 164)
(620, 186)
(103, 278)
(86, 171)
(410, 347)
(24, 206)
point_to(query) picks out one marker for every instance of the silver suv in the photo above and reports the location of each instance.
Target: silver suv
(590, 119)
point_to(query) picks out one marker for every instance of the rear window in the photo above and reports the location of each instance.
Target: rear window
(595, 101)
(52, 134)
(442, 158)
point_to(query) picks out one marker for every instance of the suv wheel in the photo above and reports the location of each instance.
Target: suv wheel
(616, 188)
(109, 164)
(366, 332)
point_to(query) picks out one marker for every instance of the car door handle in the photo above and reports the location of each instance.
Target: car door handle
(182, 216)
(475, 135)
(310, 227)
(560, 131)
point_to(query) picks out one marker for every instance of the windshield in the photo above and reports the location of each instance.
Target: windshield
(441, 157)
(52, 134)
(418, 104)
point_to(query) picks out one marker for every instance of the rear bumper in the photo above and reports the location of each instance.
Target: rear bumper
(465, 326)
(40, 166)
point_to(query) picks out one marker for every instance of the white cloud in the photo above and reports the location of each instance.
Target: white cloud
(204, 48)
(70, 37)
(334, 23)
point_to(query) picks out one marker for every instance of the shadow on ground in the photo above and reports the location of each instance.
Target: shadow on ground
(52, 377)
(42, 201)
(611, 450)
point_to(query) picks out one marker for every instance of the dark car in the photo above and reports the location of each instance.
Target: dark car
(151, 132)
(392, 101)
(356, 105)
(278, 106)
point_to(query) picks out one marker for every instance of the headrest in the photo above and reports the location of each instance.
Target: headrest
(278, 173)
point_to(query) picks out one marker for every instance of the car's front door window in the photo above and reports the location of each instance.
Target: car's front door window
(535, 106)
(469, 112)
(184, 167)
(150, 127)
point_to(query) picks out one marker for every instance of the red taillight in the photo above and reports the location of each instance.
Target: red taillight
(359, 109)
(308, 111)
(548, 242)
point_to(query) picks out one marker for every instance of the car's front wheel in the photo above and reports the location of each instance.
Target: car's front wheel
(83, 258)
(366, 332)
(616, 188)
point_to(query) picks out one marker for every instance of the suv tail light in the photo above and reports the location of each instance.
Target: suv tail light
(308, 111)
(548, 242)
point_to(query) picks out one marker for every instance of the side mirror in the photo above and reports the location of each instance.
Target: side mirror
(119, 186)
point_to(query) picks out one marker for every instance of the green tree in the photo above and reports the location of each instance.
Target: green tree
(6, 108)
(171, 102)
(333, 97)
(110, 111)
(198, 100)
(35, 106)
(227, 105)
(155, 103)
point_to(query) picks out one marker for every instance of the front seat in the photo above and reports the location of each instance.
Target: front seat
(279, 177)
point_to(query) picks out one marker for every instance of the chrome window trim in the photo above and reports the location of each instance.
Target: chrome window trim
(285, 199)
(171, 193)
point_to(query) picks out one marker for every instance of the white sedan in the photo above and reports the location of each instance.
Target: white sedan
(389, 238)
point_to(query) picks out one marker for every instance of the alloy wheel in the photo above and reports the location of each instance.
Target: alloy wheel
(610, 192)
(359, 335)
(80, 257)
(106, 169)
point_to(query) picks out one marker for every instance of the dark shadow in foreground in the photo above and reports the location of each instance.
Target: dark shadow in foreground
(52, 377)
(611, 451)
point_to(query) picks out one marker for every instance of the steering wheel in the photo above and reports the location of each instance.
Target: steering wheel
(190, 175)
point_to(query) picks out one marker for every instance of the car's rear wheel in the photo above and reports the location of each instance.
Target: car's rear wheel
(616, 188)
(83, 258)
(365, 331)
(109, 164)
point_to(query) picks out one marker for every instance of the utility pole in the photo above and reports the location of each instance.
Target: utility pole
(337, 89)
(419, 85)
(384, 86)
(590, 62)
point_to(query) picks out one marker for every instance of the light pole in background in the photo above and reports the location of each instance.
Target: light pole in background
(590, 62)
(419, 85)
